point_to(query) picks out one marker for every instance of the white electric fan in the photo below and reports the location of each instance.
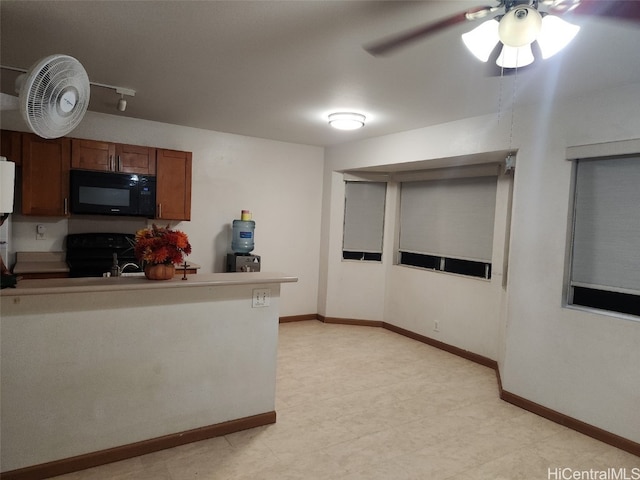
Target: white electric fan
(54, 95)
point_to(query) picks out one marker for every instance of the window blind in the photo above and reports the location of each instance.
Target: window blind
(606, 242)
(364, 216)
(450, 218)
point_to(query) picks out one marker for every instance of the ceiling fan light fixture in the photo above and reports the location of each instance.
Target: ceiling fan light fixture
(555, 34)
(483, 39)
(512, 57)
(520, 26)
(346, 120)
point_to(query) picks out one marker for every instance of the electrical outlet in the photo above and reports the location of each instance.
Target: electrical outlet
(41, 232)
(261, 297)
(436, 326)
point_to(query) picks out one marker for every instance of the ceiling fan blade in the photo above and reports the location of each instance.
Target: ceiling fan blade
(392, 43)
(628, 10)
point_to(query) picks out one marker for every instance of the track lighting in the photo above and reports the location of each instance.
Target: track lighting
(122, 104)
(122, 91)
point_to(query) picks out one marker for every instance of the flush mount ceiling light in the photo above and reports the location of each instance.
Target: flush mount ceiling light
(346, 120)
(517, 30)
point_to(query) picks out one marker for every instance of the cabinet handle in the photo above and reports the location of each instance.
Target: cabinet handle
(66, 206)
(111, 164)
(159, 210)
(119, 164)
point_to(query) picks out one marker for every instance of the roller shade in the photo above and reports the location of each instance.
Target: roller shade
(606, 243)
(449, 218)
(364, 216)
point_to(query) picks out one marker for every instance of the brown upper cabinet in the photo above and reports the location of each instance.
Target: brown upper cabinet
(173, 185)
(46, 164)
(11, 146)
(45, 175)
(112, 157)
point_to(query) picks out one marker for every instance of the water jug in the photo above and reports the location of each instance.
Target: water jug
(242, 239)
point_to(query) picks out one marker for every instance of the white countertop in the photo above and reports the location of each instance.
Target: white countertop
(114, 284)
(40, 262)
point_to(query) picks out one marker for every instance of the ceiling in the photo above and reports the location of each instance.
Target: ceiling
(275, 69)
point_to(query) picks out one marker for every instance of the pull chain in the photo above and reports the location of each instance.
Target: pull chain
(513, 108)
(509, 159)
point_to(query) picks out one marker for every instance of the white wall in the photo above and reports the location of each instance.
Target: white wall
(83, 373)
(584, 365)
(281, 183)
(466, 309)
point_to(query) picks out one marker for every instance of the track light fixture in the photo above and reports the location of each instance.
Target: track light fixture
(122, 91)
(122, 104)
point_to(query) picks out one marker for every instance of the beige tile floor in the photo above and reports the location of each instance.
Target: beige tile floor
(363, 403)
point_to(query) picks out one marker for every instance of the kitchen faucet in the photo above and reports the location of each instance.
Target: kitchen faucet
(128, 264)
(116, 270)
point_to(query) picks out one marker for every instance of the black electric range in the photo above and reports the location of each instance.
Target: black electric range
(91, 254)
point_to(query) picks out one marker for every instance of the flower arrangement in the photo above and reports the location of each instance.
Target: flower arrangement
(161, 245)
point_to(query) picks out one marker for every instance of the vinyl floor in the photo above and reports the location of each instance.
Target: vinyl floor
(364, 403)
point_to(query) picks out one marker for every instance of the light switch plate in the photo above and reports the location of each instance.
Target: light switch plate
(261, 297)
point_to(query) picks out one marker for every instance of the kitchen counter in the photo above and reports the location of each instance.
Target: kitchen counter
(35, 264)
(101, 369)
(45, 265)
(127, 283)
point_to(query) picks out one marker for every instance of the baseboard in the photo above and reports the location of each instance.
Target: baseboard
(474, 357)
(572, 423)
(298, 318)
(350, 321)
(94, 459)
(557, 417)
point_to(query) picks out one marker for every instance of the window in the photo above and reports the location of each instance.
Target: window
(605, 261)
(447, 224)
(363, 220)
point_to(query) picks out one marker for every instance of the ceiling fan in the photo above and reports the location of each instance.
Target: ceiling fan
(515, 33)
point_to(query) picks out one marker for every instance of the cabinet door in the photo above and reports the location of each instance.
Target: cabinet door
(92, 155)
(45, 175)
(135, 159)
(173, 185)
(11, 146)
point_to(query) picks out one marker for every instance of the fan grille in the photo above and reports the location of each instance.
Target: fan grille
(55, 96)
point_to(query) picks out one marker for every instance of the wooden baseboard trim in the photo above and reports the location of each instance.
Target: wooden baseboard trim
(572, 423)
(474, 357)
(298, 318)
(350, 321)
(94, 459)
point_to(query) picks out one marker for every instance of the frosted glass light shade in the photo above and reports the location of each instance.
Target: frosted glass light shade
(555, 34)
(511, 57)
(346, 120)
(482, 40)
(520, 26)
(7, 181)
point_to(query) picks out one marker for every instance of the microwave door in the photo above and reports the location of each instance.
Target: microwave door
(112, 200)
(103, 193)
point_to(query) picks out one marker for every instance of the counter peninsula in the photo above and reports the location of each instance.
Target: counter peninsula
(100, 369)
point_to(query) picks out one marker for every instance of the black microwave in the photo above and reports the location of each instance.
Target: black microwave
(107, 193)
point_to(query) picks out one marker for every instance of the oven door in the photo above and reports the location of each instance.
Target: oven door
(104, 193)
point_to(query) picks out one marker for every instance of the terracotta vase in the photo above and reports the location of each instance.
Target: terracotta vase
(160, 271)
